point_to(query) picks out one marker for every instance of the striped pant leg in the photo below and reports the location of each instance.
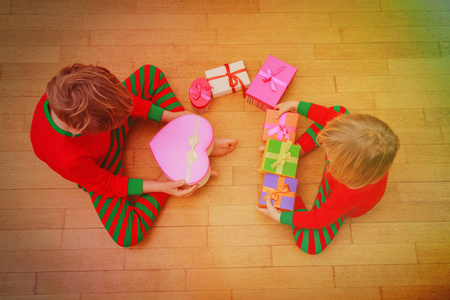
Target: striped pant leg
(314, 241)
(149, 82)
(127, 224)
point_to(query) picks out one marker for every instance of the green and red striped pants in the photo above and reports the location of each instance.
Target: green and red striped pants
(128, 223)
(314, 241)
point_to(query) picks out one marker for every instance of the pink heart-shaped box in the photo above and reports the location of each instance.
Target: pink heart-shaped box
(182, 148)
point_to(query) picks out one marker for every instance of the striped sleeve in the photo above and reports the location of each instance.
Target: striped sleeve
(320, 115)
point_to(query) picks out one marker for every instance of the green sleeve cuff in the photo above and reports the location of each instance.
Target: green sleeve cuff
(286, 217)
(303, 108)
(135, 186)
(155, 113)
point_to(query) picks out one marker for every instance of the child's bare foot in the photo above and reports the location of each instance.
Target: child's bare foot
(214, 173)
(223, 146)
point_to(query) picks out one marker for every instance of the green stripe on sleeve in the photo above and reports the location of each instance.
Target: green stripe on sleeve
(135, 186)
(155, 113)
(303, 108)
(286, 217)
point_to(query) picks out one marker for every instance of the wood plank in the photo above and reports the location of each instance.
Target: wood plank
(258, 278)
(31, 219)
(424, 191)
(104, 54)
(159, 37)
(423, 171)
(437, 117)
(413, 232)
(369, 293)
(446, 134)
(38, 179)
(415, 135)
(377, 50)
(327, 5)
(341, 67)
(391, 275)
(44, 38)
(403, 5)
(401, 83)
(433, 253)
(5, 7)
(146, 21)
(230, 53)
(193, 258)
(40, 22)
(182, 295)
(157, 237)
(278, 36)
(445, 48)
(15, 141)
(195, 6)
(395, 34)
(428, 153)
(62, 260)
(416, 292)
(394, 100)
(419, 66)
(29, 54)
(112, 281)
(30, 240)
(261, 235)
(390, 18)
(270, 20)
(350, 254)
(21, 88)
(411, 212)
(51, 7)
(17, 283)
(44, 198)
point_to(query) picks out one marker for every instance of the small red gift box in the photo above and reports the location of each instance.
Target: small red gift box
(200, 95)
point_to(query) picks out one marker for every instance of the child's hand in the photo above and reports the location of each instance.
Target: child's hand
(168, 116)
(271, 211)
(286, 106)
(179, 188)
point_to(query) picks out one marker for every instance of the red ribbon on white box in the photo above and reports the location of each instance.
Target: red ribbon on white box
(233, 79)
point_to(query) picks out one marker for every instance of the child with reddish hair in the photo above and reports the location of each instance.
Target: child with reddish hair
(359, 150)
(79, 129)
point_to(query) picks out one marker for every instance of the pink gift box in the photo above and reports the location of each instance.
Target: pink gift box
(200, 95)
(282, 129)
(182, 148)
(270, 83)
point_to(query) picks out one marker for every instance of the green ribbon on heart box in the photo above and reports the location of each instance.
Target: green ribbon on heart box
(280, 158)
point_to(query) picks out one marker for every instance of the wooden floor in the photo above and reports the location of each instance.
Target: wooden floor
(389, 58)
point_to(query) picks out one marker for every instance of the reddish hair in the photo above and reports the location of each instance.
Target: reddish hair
(89, 98)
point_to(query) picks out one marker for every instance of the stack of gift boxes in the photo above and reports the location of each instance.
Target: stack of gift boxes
(280, 158)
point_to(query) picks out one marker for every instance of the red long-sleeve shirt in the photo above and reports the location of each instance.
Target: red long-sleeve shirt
(81, 158)
(337, 199)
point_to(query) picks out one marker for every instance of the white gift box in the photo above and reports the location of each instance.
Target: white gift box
(227, 79)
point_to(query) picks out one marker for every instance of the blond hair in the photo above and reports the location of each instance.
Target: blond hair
(89, 98)
(361, 146)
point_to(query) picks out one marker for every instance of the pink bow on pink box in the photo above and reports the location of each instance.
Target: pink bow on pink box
(281, 129)
(200, 91)
(271, 79)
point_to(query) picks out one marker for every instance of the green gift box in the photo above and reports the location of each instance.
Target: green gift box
(280, 158)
